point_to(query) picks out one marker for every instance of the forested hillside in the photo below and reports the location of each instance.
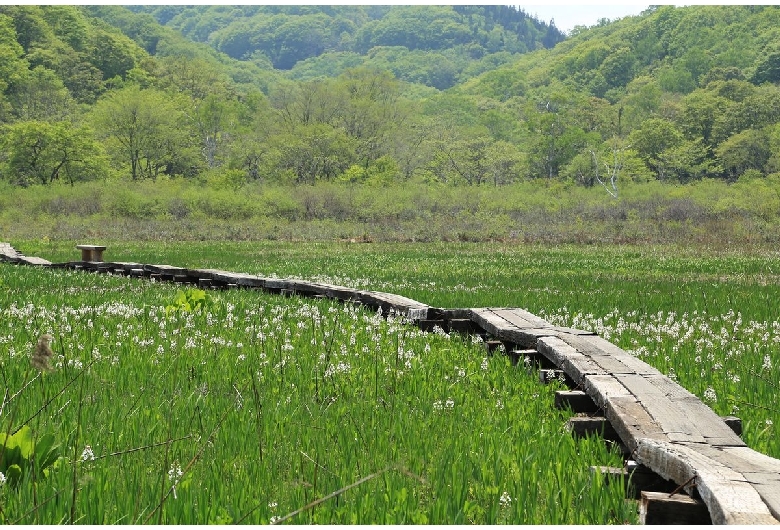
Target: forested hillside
(432, 45)
(233, 98)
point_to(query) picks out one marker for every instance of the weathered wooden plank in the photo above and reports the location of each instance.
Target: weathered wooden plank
(515, 319)
(9, 253)
(124, 265)
(730, 498)
(460, 325)
(745, 459)
(31, 260)
(245, 280)
(760, 470)
(675, 424)
(767, 485)
(402, 305)
(162, 272)
(691, 409)
(566, 357)
(490, 321)
(662, 508)
(626, 414)
(608, 356)
(534, 321)
(632, 422)
(527, 337)
(7, 250)
(452, 314)
(603, 387)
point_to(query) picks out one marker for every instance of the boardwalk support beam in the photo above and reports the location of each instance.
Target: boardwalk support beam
(663, 508)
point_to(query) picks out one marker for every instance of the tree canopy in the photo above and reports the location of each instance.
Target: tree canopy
(466, 95)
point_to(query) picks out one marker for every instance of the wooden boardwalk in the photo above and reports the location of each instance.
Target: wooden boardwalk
(662, 426)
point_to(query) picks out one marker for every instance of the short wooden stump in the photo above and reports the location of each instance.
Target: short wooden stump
(91, 252)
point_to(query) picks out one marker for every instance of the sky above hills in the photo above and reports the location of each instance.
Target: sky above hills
(567, 16)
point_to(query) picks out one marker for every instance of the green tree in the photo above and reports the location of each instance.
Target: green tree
(688, 161)
(556, 135)
(215, 117)
(768, 68)
(114, 55)
(651, 139)
(147, 131)
(310, 153)
(755, 108)
(464, 161)
(618, 67)
(41, 95)
(699, 112)
(12, 63)
(745, 150)
(42, 152)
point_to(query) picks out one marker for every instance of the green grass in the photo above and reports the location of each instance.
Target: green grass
(254, 407)
(705, 317)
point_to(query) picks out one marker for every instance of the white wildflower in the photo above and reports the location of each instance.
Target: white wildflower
(87, 454)
(710, 395)
(505, 499)
(174, 474)
(2, 479)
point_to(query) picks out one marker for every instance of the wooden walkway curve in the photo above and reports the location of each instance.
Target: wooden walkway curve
(663, 426)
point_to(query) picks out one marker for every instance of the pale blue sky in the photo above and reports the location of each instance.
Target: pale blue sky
(568, 16)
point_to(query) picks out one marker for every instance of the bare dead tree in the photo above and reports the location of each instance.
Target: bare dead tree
(612, 169)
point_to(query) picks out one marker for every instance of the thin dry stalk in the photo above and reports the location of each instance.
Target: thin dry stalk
(336, 493)
(192, 461)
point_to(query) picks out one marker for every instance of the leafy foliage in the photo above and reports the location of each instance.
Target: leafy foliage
(190, 301)
(465, 95)
(21, 453)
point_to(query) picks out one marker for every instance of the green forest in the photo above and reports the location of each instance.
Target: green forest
(310, 102)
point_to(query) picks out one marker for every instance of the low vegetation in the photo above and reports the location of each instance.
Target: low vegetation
(709, 212)
(189, 396)
(242, 407)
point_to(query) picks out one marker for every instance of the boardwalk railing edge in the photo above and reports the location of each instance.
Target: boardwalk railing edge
(662, 426)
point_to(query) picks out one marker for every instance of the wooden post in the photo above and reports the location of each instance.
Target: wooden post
(91, 252)
(663, 508)
(582, 426)
(734, 423)
(576, 400)
(428, 325)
